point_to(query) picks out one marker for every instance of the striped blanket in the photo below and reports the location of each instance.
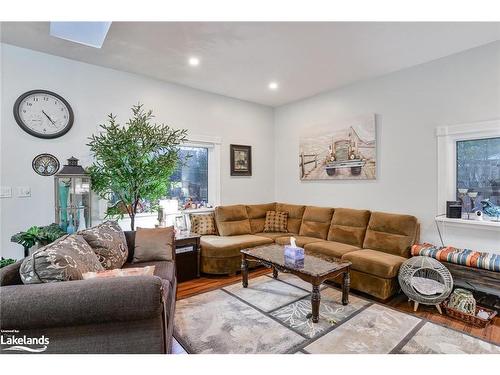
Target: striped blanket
(464, 257)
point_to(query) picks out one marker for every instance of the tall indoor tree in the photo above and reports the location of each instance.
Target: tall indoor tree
(133, 163)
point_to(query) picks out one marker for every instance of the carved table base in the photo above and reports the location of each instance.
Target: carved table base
(316, 281)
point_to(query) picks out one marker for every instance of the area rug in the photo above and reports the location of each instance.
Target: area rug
(271, 316)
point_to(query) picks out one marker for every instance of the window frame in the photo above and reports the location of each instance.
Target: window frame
(447, 138)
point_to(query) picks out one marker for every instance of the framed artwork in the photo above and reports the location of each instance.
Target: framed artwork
(241, 160)
(345, 150)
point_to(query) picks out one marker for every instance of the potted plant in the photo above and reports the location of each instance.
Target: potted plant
(38, 236)
(133, 163)
(5, 262)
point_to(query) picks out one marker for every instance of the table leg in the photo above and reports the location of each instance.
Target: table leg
(315, 300)
(275, 273)
(346, 281)
(244, 271)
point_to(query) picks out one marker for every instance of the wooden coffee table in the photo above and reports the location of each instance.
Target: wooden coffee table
(316, 270)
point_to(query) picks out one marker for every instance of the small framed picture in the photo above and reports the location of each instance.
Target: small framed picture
(241, 160)
(180, 223)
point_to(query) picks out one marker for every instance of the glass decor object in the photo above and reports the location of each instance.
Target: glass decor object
(72, 197)
(472, 196)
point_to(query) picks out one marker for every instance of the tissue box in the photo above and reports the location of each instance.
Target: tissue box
(294, 252)
(294, 256)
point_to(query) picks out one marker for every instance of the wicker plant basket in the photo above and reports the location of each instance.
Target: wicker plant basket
(470, 319)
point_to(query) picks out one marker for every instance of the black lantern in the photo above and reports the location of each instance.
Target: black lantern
(73, 197)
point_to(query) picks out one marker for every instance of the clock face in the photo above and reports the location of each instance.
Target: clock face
(45, 164)
(43, 114)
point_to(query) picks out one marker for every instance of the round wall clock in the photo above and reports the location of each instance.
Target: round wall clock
(45, 164)
(43, 114)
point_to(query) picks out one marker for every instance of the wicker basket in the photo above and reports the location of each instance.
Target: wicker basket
(470, 319)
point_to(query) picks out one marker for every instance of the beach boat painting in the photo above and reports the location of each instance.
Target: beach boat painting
(339, 151)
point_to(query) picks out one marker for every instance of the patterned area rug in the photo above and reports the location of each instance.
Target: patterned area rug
(270, 316)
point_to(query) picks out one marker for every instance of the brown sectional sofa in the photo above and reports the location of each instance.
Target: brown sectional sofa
(376, 243)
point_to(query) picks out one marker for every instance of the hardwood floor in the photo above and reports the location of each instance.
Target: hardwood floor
(399, 302)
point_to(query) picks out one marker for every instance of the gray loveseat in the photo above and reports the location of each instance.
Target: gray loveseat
(115, 315)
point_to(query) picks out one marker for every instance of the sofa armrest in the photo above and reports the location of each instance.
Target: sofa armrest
(80, 302)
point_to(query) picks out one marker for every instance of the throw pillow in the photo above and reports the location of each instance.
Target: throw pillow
(109, 243)
(276, 221)
(120, 272)
(68, 258)
(203, 224)
(153, 244)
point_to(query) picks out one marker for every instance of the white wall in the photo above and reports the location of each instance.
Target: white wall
(409, 104)
(93, 93)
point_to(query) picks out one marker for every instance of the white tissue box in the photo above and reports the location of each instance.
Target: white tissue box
(294, 256)
(294, 252)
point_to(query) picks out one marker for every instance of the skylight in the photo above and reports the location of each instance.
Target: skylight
(87, 33)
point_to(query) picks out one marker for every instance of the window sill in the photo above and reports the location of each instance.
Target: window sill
(479, 224)
(197, 210)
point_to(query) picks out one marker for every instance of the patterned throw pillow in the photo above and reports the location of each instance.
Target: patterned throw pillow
(276, 221)
(203, 224)
(109, 243)
(68, 258)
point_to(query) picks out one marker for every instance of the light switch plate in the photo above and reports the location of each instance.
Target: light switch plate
(5, 192)
(23, 192)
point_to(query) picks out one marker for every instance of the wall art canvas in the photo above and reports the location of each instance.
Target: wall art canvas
(340, 150)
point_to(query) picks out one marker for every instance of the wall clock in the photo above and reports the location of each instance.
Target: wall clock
(45, 164)
(43, 114)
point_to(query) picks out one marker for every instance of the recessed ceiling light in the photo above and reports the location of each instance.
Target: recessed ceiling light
(273, 86)
(194, 61)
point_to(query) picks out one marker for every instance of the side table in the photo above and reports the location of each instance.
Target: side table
(187, 256)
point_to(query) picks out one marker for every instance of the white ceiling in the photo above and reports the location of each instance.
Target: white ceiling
(240, 59)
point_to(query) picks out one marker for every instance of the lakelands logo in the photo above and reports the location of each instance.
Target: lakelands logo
(22, 343)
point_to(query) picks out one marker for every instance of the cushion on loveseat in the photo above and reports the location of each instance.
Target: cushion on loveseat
(295, 213)
(66, 259)
(349, 226)
(108, 242)
(301, 241)
(330, 248)
(316, 221)
(391, 233)
(232, 220)
(257, 215)
(375, 262)
(229, 246)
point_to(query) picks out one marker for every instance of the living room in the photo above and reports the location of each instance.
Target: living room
(250, 187)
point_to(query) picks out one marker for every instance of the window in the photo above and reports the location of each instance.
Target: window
(478, 168)
(469, 159)
(190, 180)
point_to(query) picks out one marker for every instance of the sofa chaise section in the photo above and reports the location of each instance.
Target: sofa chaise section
(220, 255)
